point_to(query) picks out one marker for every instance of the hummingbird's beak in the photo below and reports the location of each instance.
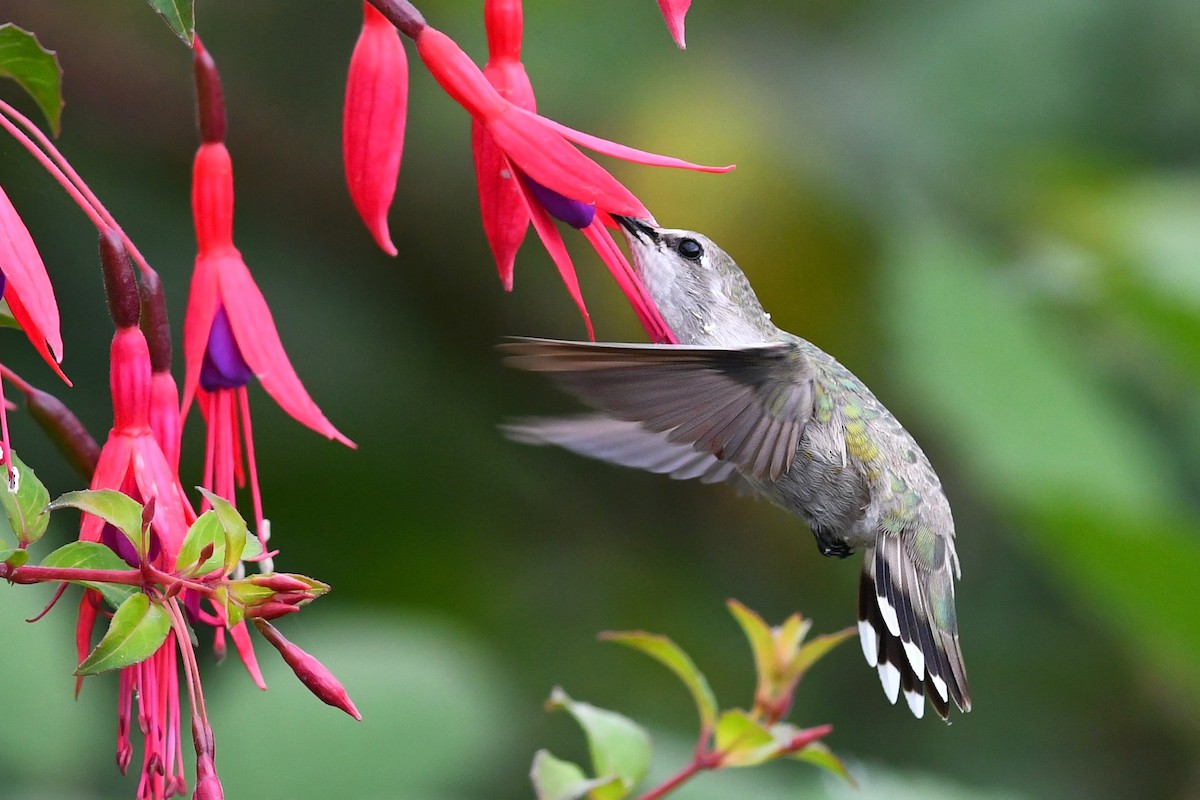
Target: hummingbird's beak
(637, 227)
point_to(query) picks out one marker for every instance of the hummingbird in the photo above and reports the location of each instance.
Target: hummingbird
(741, 401)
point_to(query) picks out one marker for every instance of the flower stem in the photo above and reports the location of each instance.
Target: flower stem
(403, 14)
(29, 575)
(701, 762)
(61, 170)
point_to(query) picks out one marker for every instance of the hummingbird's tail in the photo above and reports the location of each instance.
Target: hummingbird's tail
(907, 625)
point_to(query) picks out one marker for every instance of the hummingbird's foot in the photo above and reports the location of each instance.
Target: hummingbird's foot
(830, 545)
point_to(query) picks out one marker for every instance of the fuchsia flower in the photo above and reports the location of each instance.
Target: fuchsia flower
(229, 336)
(673, 12)
(373, 122)
(528, 168)
(26, 288)
(520, 184)
(132, 461)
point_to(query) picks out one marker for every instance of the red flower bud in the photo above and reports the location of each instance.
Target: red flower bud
(271, 610)
(311, 672)
(281, 582)
(373, 122)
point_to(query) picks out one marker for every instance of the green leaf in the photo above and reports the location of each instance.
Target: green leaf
(116, 508)
(137, 629)
(619, 746)
(742, 741)
(14, 558)
(205, 530)
(35, 69)
(180, 16)
(93, 555)
(675, 659)
(819, 753)
(758, 633)
(25, 502)
(555, 779)
(234, 526)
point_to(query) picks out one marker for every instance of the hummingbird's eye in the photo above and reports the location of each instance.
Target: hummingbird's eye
(690, 249)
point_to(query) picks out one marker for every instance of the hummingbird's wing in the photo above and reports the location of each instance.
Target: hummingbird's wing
(628, 444)
(907, 622)
(747, 405)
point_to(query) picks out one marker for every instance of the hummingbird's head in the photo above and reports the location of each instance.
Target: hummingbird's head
(699, 289)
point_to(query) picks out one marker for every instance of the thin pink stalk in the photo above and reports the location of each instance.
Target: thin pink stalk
(251, 463)
(15, 379)
(65, 174)
(29, 575)
(697, 765)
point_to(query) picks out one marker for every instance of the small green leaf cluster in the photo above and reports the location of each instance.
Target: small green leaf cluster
(208, 562)
(620, 749)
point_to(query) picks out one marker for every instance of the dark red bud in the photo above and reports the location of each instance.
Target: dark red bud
(210, 99)
(147, 513)
(65, 430)
(281, 582)
(271, 610)
(311, 672)
(205, 553)
(154, 322)
(119, 283)
(403, 15)
(806, 737)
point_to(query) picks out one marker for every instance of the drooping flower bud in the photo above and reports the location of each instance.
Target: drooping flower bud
(124, 304)
(373, 122)
(311, 672)
(210, 98)
(64, 429)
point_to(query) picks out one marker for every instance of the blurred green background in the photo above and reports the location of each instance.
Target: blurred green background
(989, 211)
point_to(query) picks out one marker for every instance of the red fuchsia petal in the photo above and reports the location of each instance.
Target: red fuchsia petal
(203, 302)
(260, 345)
(156, 479)
(457, 74)
(21, 315)
(245, 649)
(673, 12)
(537, 149)
(129, 380)
(373, 122)
(505, 220)
(212, 197)
(626, 153)
(540, 151)
(647, 313)
(553, 243)
(165, 422)
(83, 629)
(26, 278)
(110, 473)
(505, 23)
